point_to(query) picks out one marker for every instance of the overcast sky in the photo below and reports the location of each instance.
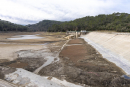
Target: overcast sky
(33, 11)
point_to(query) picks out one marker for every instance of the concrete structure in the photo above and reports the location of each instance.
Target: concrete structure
(73, 34)
(83, 32)
(113, 46)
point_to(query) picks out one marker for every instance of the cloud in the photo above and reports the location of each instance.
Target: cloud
(32, 11)
(18, 20)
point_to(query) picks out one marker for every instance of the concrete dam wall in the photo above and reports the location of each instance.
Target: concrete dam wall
(115, 47)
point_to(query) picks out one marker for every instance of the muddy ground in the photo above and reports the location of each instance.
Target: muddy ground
(28, 56)
(8, 48)
(81, 63)
(31, 60)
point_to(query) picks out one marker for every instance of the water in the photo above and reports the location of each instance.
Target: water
(23, 37)
(125, 76)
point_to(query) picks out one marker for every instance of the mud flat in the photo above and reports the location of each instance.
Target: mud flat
(28, 53)
(56, 62)
(16, 71)
(8, 47)
(80, 63)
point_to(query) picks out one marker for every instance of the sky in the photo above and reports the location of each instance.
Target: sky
(32, 11)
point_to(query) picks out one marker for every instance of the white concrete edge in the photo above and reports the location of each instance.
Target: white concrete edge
(118, 60)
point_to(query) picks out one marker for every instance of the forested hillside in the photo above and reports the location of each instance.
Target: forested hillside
(117, 22)
(43, 25)
(8, 26)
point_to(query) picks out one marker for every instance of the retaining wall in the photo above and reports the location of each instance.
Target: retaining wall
(116, 46)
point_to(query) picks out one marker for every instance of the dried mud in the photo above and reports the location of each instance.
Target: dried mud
(29, 64)
(51, 42)
(81, 63)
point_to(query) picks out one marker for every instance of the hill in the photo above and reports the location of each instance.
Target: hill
(116, 22)
(8, 26)
(119, 22)
(43, 25)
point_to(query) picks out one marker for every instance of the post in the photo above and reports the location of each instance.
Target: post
(76, 34)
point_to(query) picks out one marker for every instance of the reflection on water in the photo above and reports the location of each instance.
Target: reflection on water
(22, 37)
(125, 76)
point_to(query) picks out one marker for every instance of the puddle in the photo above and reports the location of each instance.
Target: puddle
(125, 76)
(73, 44)
(23, 37)
(18, 65)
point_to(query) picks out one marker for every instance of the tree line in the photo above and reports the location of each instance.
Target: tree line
(42, 25)
(119, 22)
(8, 26)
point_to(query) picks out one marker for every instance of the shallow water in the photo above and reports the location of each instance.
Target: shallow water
(125, 76)
(22, 37)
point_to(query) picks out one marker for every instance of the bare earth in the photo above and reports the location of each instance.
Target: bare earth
(78, 63)
(81, 63)
(8, 48)
(29, 54)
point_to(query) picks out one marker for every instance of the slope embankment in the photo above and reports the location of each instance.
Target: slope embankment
(113, 46)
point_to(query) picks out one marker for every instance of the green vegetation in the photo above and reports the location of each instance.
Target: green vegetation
(43, 25)
(119, 22)
(8, 26)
